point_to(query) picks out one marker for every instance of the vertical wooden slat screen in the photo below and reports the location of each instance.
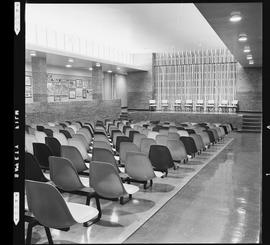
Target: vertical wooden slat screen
(200, 74)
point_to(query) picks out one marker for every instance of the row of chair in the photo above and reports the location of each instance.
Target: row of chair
(189, 105)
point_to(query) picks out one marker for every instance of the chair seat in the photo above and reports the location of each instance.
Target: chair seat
(158, 174)
(82, 213)
(130, 189)
(122, 169)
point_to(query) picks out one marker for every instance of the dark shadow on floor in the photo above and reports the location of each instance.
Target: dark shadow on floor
(159, 187)
(107, 223)
(194, 162)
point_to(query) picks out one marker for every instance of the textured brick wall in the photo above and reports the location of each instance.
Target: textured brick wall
(234, 119)
(79, 110)
(140, 89)
(249, 89)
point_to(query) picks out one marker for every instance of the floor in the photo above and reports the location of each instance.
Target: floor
(214, 198)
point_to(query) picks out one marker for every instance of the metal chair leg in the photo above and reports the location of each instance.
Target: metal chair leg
(49, 236)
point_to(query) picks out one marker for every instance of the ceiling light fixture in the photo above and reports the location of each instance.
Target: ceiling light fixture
(97, 64)
(242, 38)
(90, 68)
(249, 57)
(235, 17)
(109, 71)
(70, 60)
(33, 53)
(246, 49)
(68, 65)
(251, 62)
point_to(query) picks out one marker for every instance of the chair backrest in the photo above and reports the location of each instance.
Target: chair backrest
(152, 134)
(86, 134)
(29, 140)
(48, 132)
(177, 150)
(115, 135)
(80, 146)
(189, 145)
(40, 136)
(103, 155)
(183, 133)
(42, 153)
(173, 136)
(54, 145)
(61, 138)
(138, 166)
(132, 133)
(64, 174)
(74, 155)
(70, 130)
(82, 139)
(32, 169)
(73, 127)
(160, 157)
(163, 131)
(126, 147)
(105, 180)
(145, 145)
(47, 205)
(161, 139)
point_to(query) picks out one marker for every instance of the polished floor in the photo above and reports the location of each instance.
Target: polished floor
(215, 198)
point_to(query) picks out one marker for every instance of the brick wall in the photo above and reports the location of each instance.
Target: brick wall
(80, 110)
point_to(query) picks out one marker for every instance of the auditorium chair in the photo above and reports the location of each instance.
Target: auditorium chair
(50, 209)
(198, 142)
(188, 105)
(162, 139)
(40, 136)
(199, 105)
(164, 105)
(139, 169)
(120, 139)
(177, 150)
(74, 127)
(66, 133)
(173, 136)
(48, 132)
(161, 158)
(102, 144)
(54, 145)
(210, 105)
(70, 130)
(183, 133)
(132, 133)
(61, 138)
(42, 153)
(85, 132)
(190, 145)
(152, 105)
(32, 170)
(177, 105)
(83, 140)
(81, 147)
(205, 139)
(65, 177)
(152, 134)
(107, 183)
(163, 131)
(74, 155)
(40, 128)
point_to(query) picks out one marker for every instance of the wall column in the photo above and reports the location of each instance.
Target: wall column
(121, 90)
(97, 76)
(39, 74)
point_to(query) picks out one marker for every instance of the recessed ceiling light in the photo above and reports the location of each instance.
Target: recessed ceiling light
(251, 62)
(90, 68)
(242, 38)
(246, 49)
(33, 53)
(235, 17)
(68, 65)
(70, 60)
(249, 57)
(109, 71)
(97, 64)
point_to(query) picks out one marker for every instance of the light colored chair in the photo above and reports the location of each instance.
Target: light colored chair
(29, 140)
(199, 105)
(189, 105)
(40, 136)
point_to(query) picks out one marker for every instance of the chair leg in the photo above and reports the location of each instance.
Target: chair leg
(29, 232)
(88, 198)
(98, 207)
(49, 236)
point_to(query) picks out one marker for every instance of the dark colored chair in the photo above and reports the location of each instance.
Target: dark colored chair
(114, 131)
(68, 122)
(180, 128)
(211, 136)
(160, 158)
(54, 145)
(190, 145)
(63, 125)
(225, 129)
(89, 129)
(42, 153)
(52, 211)
(66, 133)
(32, 169)
(125, 128)
(190, 131)
(120, 139)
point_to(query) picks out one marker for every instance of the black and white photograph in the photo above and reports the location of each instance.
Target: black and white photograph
(142, 123)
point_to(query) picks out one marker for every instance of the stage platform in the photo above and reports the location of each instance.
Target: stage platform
(179, 117)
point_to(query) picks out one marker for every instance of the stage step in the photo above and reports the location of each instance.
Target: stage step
(252, 123)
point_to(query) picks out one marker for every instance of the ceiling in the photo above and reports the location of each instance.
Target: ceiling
(217, 14)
